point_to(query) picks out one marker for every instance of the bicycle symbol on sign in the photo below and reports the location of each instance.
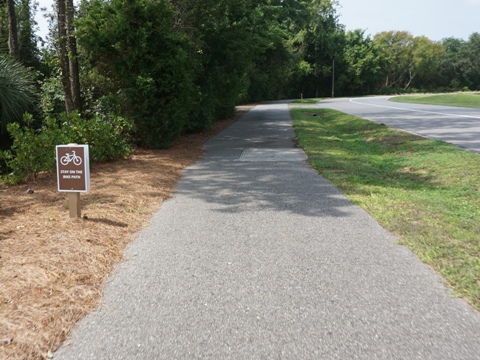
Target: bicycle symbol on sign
(67, 158)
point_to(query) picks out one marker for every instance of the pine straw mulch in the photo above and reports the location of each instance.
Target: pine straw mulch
(53, 268)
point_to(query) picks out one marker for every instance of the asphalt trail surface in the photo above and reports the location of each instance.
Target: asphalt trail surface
(259, 257)
(459, 126)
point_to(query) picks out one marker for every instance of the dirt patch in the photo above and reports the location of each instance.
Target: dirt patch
(53, 268)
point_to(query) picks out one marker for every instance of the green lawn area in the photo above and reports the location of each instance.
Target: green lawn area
(460, 100)
(425, 192)
(307, 101)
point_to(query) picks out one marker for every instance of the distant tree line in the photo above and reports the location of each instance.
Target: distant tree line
(167, 67)
(397, 62)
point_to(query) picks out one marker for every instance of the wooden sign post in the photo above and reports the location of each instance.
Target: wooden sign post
(73, 174)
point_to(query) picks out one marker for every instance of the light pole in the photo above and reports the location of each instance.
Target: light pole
(333, 79)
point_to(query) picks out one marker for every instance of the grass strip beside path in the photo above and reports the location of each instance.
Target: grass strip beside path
(426, 192)
(460, 100)
(309, 101)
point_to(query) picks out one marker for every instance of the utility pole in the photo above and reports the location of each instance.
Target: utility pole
(333, 79)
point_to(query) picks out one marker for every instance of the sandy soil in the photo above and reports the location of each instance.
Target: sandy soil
(52, 268)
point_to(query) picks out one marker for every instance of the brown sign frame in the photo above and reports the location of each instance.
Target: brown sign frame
(73, 168)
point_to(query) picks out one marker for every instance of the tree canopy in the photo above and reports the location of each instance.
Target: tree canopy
(173, 66)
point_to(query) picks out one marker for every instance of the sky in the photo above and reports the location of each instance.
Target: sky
(435, 19)
(40, 19)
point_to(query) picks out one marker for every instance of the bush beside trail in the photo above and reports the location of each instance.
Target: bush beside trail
(33, 150)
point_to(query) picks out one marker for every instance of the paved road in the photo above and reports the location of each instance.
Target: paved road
(259, 257)
(459, 126)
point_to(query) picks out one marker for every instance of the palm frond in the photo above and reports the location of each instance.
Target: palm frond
(16, 90)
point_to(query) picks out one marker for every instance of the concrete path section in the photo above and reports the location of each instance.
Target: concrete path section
(259, 257)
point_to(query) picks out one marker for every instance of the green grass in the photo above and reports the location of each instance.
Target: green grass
(426, 192)
(460, 100)
(307, 101)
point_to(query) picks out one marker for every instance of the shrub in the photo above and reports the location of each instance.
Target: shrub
(134, 44)
(33, 151)
(108, 137)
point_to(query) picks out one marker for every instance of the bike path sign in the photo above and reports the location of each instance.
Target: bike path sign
(73, 168)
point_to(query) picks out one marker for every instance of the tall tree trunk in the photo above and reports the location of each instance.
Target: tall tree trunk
(63, 54)
(73, 57)
(13, 32)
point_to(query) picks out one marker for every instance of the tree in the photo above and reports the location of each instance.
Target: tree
(23, 25)
(233, 41)
(276, 65)
(472, 54)
(238, 50)
(426, 56)
(453, 64)
(73, 68)
(396, 49)
(29, 53)
(362, 63)
(320, 42)
(4, 33)
(67, 51)
(63, 55)
(13, 32)
(140, 63)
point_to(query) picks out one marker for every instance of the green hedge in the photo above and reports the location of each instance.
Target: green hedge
(33, 150)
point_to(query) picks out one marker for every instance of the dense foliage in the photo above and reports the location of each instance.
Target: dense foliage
(140, 64)
(172, 66)
(33, 150)
(16, 91)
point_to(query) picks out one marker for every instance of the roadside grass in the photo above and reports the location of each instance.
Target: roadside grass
(307, 101)
(460, 100)
(425, 192)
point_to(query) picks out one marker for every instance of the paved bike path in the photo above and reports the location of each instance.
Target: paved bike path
(259, 257)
